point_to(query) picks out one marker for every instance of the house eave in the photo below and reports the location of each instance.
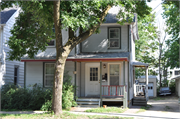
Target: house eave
(79, 60)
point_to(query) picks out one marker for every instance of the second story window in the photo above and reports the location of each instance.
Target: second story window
(114, 37)
(176, 72)
(52, 42)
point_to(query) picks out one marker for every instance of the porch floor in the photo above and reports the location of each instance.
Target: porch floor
(104, 98)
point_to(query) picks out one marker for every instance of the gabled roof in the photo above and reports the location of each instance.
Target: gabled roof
(112, 13)
(6, 14)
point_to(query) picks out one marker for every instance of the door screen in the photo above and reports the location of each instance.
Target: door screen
(114, 74)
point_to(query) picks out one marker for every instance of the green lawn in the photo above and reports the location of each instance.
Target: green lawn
(107, 110)
(66, 115)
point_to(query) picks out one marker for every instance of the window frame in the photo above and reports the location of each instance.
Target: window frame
(44, 76)
(17, 76)
(176, 71)
(49, 46)
(108, 32)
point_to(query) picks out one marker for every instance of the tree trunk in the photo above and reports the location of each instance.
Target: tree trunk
(62, 53)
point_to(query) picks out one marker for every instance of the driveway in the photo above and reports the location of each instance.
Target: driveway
(164, 104)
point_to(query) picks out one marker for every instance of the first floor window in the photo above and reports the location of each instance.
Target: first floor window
(16, 75)
(49, 74)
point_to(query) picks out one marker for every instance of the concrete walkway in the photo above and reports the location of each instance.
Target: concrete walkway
(142, 115)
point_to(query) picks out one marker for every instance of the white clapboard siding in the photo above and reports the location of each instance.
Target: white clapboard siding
(34, 72)
(8, 66)
(99, 42)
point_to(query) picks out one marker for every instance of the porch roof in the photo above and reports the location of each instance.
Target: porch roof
(51, 56)
(139, 64)
(177, 77)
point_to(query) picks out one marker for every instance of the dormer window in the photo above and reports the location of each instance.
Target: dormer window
(114, 37)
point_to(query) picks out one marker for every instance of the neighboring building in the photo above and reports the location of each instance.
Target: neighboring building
(152, 88)
(109, 54)
(10, 71)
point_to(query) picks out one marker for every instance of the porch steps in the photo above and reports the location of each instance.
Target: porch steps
(139, 102)
(88, 102)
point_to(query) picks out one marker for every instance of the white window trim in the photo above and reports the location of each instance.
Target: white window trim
(16, 66)
(114, 38)
(46, 74)
(120, 75)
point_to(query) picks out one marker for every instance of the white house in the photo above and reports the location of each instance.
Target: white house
(102, 67)
(10, 71)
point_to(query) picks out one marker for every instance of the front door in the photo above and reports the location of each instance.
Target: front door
(92, 80)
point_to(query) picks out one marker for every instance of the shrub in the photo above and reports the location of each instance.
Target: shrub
(15, 97)
(172, 85)
(67, 95)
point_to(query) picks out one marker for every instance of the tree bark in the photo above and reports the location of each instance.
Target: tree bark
(60, 63)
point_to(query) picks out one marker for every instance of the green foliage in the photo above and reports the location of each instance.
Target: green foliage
(67, 95)
(13, 97)
(172, 86)
(165, 83)
(146, 46)
(107, 110)
(171, 15)
(32, 30)
(64, 115)
(68, 92)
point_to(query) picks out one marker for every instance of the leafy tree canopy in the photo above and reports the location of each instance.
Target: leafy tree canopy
(147, 45)
(171, 15)
(32, 30)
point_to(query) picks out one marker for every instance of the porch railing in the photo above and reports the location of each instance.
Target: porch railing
(113, 90)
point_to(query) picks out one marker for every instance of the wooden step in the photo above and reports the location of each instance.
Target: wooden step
(143, 101)
(84, 100)
(88, 106)
(88, 103)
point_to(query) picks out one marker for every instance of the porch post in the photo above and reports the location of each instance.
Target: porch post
(100, 83)
(147, 97)
(134, 84)
(125, 93)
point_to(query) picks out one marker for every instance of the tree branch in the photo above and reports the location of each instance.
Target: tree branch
(83, 36)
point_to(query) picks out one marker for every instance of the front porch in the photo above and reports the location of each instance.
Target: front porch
(103, 81)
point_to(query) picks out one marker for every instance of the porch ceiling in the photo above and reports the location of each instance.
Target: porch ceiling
(139, 64)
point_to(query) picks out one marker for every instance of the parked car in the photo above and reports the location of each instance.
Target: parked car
(165, 91)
